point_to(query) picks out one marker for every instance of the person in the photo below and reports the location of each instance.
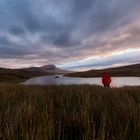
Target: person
(106, 79)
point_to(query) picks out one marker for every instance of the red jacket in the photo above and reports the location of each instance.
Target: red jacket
(106, 79)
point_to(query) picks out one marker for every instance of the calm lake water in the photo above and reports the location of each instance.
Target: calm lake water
(49, 80)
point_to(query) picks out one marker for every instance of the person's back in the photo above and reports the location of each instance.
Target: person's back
(106, 79)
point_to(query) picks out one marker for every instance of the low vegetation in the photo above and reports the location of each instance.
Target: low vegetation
(18, 75)
(74, 112)
(132, 70)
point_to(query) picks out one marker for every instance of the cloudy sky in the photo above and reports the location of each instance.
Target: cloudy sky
(72, 34)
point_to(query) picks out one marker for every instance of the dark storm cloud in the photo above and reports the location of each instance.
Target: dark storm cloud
(4, 41)
(12, 50)
(32, 27)
(23, 12)
(17, 30)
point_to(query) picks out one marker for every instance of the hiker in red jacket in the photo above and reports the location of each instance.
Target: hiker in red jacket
(106, 79)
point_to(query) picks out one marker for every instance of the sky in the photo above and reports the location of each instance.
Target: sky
(72, 34)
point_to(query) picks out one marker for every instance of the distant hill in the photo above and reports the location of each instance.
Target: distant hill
(52, 69)
(130, 70)
(20, 75)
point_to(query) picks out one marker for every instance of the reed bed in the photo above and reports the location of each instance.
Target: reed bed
(69, 112)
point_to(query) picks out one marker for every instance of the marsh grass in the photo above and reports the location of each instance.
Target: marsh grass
(81, 112)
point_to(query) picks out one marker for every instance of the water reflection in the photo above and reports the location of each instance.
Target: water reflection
(60, 79)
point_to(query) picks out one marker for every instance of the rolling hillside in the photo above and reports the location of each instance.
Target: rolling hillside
(52, 69)
(17, 75)
(131, 70)
(20, 75)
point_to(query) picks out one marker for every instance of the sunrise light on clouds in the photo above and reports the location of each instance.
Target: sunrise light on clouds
(72, 34)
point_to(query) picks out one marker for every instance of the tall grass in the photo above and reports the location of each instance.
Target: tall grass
(73, 112)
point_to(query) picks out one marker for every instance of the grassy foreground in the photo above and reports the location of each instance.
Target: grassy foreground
(73, 112)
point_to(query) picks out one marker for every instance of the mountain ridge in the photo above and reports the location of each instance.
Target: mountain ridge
(48, 68)
(129, 70)
(20, 75)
